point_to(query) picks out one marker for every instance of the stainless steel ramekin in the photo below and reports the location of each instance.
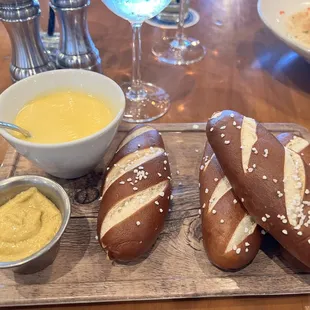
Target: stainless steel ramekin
(9, 188)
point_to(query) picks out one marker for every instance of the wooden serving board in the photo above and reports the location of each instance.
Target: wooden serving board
(177, 266)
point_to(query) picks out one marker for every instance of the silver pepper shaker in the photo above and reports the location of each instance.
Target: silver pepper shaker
(21, 20)
(77, 50)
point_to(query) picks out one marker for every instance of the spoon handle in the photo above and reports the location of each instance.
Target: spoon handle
(15, 128)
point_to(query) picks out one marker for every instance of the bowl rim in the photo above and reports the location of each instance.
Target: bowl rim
(64, 223)
(95, 135)
(286, 39)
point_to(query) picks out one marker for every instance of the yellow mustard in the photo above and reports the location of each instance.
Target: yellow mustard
(28, 222)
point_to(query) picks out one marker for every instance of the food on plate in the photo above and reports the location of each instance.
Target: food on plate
(136, 195)
(298, 26)
(276, 192)
(231, 237)
(63, 116)
(28, 222)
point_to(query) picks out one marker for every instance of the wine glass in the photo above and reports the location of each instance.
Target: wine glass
(179, 50)
(144, 101)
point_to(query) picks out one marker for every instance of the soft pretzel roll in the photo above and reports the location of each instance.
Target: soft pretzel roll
(270, 179)
(136, 195)
(231, 238)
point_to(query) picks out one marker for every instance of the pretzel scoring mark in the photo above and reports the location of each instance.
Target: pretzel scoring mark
(130, 162)
(248, 139)
(297, 144)
(127, 207)
(294, 184)
(245, 228)
(221, 189)
(134, 134)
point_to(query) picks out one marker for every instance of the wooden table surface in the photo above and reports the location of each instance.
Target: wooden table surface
(246, 69)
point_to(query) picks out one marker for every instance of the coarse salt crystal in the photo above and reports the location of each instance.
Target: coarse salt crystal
(122, 182)
(201, 167)
(203, 206)
(235, 201)
(226, 142)
(264, 219)
(157, 203)
(274, 180)
(135, 188)
(239, 127)
(138, 223)
(238, 251)
(211, 129)
(250, 169)
(213, 211)
(264, 177)
(222, 221)
(222, 135)
(247, 250)
(284, 231)
(247, 244)
(232, 115)
(242, 199)
(216, 179)
(263, 232)
(307, 192)
(299, 233)
(162, 194)
(206, 190)
(161, 210)
(268, 216)
(199, 212)
(171, 197)
(159, 174)
(223, 127)
(234, 123)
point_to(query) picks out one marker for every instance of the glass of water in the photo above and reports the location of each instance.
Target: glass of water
(144, 101)
(179, 50)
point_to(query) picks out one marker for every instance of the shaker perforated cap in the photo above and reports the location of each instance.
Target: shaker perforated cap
(69, 4)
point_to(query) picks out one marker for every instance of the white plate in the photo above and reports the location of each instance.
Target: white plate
(269, 12)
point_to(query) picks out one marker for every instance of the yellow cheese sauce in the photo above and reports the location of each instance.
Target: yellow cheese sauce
(63, 116)
(28, 222)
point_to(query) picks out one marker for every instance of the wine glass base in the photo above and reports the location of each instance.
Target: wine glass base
(146, 105)
(180, 52)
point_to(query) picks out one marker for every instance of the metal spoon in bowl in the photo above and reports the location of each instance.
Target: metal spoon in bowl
(14, 127)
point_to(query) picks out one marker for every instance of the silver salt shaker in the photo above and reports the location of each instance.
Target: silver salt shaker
(21, 20)
(76, 50)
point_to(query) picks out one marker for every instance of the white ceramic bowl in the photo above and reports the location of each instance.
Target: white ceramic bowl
(269, 12)
(72, 159)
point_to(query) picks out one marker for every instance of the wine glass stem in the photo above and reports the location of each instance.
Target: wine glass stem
(136, 57)
(180, 31)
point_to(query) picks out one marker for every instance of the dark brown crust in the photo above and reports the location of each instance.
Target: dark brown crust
(216, 236)
(127, 241)
(259, 195)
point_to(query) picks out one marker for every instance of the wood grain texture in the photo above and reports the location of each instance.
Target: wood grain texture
(247, 69)
(81, 272)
